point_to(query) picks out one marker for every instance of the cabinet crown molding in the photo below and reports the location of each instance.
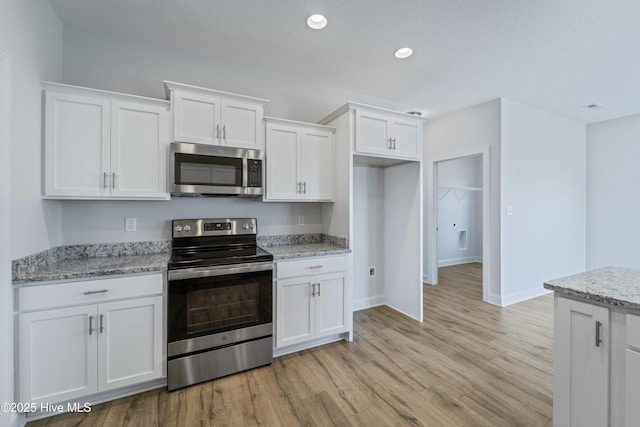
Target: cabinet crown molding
(104, 94)
(350, 105)
(170, 86)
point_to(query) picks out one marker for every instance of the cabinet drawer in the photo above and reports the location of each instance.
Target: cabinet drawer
(310, 266)
(633, 330)
(89, 291)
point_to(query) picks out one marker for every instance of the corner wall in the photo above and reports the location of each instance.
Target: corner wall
(613, 174)
(543, 182)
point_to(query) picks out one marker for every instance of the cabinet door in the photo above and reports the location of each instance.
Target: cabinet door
(316, 165)
(407, 136)
(242, 125)
(372, 133)
(76, 145)
(130, 342)
(295, 311)
(331, 304)
(581, 366)
(632, 370)
(196, 118)
(58, 354)
(282, 164)
(139, 141)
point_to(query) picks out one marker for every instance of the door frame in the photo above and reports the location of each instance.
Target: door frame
(432, 214)
(6, 290)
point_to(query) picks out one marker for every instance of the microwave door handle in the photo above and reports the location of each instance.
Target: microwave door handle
(245, 172)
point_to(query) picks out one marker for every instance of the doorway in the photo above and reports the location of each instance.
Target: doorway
(454, 235)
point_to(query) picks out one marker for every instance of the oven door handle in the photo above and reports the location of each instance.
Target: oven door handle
(223, 270)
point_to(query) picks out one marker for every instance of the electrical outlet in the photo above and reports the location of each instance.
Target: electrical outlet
(130, 224)
(300, 219)
(372, 271)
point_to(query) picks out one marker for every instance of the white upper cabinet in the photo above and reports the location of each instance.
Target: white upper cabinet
(206, 116)
(386, 135)
(299, 158)
(102, 144)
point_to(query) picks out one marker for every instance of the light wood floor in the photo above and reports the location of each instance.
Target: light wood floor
(468, 364)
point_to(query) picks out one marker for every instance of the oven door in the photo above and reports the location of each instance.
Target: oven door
(209, 308)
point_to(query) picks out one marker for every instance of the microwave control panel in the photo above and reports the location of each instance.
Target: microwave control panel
(254, 173)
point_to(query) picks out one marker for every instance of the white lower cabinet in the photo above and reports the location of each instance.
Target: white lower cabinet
(70, 352)
(313, 304)
(596, 378)
(581, 371)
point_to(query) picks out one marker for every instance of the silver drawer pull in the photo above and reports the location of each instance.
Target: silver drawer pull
(90, 325)
(101, 291)
(316, 266)
(101, 323)
(598, 327)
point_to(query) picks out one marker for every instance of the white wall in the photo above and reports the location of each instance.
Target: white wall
(543, 179)
(613, 174)
(32, 33)
(473, 128)
(111, 63)
(459, 210)
(368, 236)
(31, 41)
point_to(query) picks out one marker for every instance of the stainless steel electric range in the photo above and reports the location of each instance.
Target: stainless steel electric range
(220, 300)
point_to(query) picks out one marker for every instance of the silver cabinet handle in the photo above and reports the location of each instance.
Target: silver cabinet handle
(100, 291)
(113, 181)
(101, 323)
(315, 266)
(304, 185)
(299, 187)
(394, 143)
(313, 289)
(90, 325)
(318, 288)
(217, 131)
(390, 147)
(104, 180)
(598, 327)
(224, 131)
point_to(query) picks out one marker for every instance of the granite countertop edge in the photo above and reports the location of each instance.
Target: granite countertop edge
(290, 252)
(615, 286)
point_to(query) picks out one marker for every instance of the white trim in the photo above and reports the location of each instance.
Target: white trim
(432, 216)
(369, 302)
(458, 261)
(6, 294)
(522, 296)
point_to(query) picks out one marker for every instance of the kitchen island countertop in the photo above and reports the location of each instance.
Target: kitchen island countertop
(616, 286)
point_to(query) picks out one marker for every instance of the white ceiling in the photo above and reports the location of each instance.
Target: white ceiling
(557, 55)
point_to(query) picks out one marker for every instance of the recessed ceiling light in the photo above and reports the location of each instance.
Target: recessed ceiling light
(593, 106)
(317, 22)
(403, 52)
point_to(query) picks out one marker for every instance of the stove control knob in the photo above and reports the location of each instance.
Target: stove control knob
(251, 226)
(178, 228)
(187, 228)
(245, 226)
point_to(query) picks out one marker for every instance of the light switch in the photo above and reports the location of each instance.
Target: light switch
(509, 210)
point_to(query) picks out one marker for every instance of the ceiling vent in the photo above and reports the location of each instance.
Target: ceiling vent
(593, 106)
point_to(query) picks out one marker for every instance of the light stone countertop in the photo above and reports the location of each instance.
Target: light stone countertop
(282, 252)
(98, 266)
(617, 286)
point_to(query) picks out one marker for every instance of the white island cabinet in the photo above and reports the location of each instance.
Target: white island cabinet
(104, 145)
(77, 339)
(207, 116)
(596, 378)
(313, 302)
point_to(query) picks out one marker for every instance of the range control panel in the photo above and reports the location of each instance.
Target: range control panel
(213, 227)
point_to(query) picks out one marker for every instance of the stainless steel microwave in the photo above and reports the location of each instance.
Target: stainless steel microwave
(211, 170)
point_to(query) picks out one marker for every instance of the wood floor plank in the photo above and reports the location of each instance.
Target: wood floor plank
(469, 364)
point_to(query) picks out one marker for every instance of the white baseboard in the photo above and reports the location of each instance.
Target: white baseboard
(427, 281)
(370, 302)
(456, 261)
(277, 352)
(523, 296)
